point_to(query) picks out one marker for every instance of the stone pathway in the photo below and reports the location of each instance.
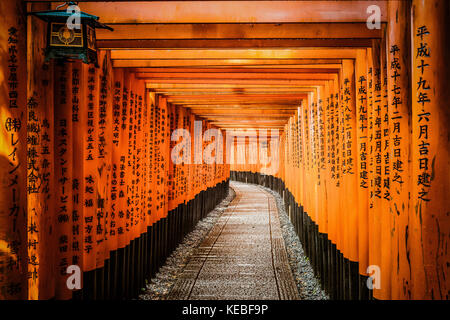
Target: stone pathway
(243, 257)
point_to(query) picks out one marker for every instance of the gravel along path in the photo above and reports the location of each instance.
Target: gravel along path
(159, 286)
(308, 285)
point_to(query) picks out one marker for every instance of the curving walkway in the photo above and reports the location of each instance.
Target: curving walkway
(242, 257)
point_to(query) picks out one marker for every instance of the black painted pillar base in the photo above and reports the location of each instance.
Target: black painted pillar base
(128, 269)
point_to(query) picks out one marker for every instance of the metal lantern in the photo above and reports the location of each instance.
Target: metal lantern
(66, 43)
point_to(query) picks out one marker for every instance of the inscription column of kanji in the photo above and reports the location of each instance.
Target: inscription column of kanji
(331, 155)
(399, 102)
(63, 158)
(78, 131)
(362, 160)
(350, 160)
(40, 161)
(323, 169)
(89, 85)
(429, 210)
(385, 215)
(375, 141)
(104, 154)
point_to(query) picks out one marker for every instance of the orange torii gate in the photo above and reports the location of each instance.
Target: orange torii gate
(381, 172)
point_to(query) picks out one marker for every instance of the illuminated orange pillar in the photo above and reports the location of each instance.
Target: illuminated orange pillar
(40, 161)
(63, 157)
(429, 222)
(323, 157)
(77, 119)
(13, 148)
(152, 161)
(350, 156)
(386, 217)
(171, 179)
(362, 160)
(398, 65)
(103, 152)
(332, 191)
(89, 164)
(164, 152)
(118, 154)
(99, 108)
(375, 141)
(341, 221)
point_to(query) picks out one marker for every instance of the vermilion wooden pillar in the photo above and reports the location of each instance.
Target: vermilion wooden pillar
(102, 151)
(41, 213)
(429, 222)
(118, 184)
(152, 139)
(375, 142)
(88, 184)
(171, 181)
(63, 192)
(323, 158)
(362, 160)
(386, 217)
(78, 121)
(106, 136)
(13, 151)
(370, 159)
(341, 221)
(350, 169)
(399, 102)
(332, 188)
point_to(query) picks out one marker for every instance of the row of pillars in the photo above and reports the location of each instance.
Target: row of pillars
(366, 160)
(87, 182)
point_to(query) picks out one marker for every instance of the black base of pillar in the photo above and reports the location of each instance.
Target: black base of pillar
(128, 269)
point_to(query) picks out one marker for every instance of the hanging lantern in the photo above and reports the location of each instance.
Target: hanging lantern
(69, 41)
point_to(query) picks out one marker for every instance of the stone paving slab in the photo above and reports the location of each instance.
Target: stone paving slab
(243, 257)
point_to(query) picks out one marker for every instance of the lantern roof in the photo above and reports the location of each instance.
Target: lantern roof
(51, 15)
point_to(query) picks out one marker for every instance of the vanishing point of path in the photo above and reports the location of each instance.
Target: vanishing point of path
(243, 257)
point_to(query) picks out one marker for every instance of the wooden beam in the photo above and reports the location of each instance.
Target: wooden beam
(311, 82)
(255, 121)
(281, 117)
(155, 63)
(243, 108)
(305, 68)
(175, 92)
(239, 76)
(233, 31)
(241, 43)
(237, 96)
(234, 102)
(309, 69)
(242, 112)
(219, 85)
(231, 11)
(275, 54)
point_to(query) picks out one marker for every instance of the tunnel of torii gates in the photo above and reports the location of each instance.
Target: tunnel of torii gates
(351, 127)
